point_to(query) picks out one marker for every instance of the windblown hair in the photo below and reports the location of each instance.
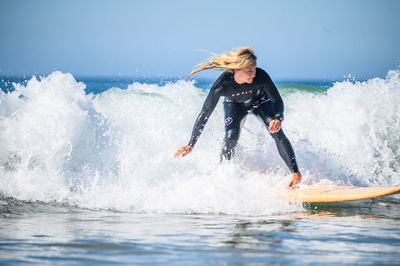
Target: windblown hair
(236, 59)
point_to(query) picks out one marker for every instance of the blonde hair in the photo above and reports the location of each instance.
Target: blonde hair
(236, 59)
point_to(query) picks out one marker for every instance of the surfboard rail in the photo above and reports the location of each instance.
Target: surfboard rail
(337, 193)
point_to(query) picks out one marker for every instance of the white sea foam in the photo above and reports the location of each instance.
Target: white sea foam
(350, 135)
(115, 149)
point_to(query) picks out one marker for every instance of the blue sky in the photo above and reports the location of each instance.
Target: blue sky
(292, 39)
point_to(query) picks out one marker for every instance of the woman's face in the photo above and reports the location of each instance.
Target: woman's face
(246, 74)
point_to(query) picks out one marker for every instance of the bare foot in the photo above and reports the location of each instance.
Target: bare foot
(296, 179)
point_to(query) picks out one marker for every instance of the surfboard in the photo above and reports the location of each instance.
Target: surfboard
(337, 193)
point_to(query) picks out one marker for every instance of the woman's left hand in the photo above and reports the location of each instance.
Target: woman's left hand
(274, 126)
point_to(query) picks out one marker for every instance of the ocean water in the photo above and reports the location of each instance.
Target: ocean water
(87, 175)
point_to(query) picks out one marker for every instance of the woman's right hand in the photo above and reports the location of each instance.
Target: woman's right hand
(185, 150)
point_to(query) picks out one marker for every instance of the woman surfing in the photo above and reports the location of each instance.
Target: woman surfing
(247, 89)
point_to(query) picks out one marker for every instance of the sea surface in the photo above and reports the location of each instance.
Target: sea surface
(87, 175)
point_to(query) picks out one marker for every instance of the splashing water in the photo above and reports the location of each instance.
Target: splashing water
(114, 149)
(351, 133)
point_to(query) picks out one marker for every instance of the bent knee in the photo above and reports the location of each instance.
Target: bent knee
(232, 135)
(278, 136)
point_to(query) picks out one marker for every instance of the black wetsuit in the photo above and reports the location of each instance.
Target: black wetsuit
(261, 97)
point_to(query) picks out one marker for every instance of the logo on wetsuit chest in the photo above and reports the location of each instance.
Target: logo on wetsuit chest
(242, 93)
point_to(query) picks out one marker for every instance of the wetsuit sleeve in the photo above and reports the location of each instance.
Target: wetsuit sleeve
(208, 107)
(273, 94)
